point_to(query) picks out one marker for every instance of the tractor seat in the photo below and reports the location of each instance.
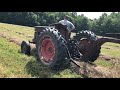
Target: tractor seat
(59, 25)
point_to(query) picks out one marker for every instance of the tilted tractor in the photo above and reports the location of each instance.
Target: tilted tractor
(55, 48)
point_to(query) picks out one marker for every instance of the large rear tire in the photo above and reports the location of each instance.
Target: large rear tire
(88, 47)
(51, 49)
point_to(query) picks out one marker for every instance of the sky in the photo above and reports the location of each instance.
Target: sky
(92, 15)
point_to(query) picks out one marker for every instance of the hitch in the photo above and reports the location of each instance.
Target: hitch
(103, 40)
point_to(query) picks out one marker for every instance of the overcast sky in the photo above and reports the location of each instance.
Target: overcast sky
(92, 15)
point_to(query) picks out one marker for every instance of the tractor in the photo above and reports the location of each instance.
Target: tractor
(56, 48)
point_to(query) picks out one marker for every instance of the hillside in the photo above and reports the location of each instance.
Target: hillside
(16, 65)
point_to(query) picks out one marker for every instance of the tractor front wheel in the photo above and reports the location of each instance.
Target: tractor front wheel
(25, 47)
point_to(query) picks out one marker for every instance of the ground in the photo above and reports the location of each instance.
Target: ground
(14, 64)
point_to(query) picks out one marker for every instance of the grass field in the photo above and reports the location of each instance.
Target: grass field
(13, 64)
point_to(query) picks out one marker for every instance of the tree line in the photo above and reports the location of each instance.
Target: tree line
(104, 24)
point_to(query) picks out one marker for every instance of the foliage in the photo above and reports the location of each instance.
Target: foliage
(104, 24)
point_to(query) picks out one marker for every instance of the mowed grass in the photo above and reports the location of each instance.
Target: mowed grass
(22, 29)
(14, 64)
(23, 32)
(112, 51)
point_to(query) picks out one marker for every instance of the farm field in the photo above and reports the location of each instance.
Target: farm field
(14, 64)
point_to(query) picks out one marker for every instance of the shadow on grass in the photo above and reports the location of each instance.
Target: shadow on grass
(32, 52)
(38, 70)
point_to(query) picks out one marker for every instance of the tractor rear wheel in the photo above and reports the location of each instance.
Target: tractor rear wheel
(51, 49)
(87, 43)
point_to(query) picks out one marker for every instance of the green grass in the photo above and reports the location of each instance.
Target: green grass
(12, 29)
(22, 29)
(16, 65)
(11, 61)
(112, 49)
(67, 74)
(13, 64)
(103, 63)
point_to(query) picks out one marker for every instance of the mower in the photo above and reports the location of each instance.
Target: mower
(56, 49)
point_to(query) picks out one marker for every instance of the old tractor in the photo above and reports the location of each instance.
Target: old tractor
(55, 48)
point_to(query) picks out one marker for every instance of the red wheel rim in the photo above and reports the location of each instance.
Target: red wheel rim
(47, 50)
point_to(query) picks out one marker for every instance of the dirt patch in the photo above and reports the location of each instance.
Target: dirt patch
(3, 35)
(107, 58)
(11, 39)
(15, 40)
(94, 71)
(105, 47)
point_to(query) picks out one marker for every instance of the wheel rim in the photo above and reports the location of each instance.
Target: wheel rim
(47, 50)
